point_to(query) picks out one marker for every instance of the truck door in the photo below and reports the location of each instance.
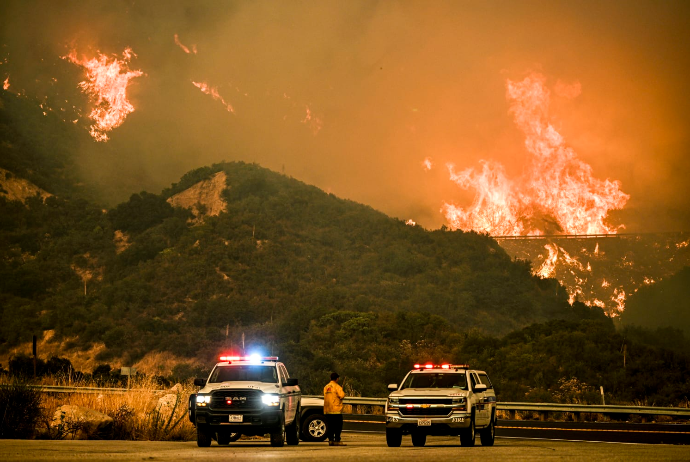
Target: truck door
(489, 394)
(291, 394)
(482, 408)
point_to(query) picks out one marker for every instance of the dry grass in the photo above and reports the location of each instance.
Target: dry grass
(138, 414)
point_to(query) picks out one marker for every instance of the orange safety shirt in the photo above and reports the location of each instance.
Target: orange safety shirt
(333, 395)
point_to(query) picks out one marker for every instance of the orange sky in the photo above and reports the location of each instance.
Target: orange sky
(391, 83)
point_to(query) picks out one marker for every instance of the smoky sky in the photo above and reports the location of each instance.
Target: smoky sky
(353, 96)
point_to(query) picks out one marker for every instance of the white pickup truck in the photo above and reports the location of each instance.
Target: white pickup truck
(247, 396)
(441, 400)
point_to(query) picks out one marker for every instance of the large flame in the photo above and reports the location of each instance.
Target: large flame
(558, 194)
(106, 84)
(6, 83)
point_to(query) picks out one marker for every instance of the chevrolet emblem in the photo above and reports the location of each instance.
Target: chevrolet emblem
(424, 406)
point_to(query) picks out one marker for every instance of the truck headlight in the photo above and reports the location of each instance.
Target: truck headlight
(393, 400)
(270, 400)
(203, 400)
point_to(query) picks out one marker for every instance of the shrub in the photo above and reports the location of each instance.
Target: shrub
(20, 410)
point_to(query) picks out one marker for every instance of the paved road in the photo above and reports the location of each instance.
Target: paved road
(618, 432)
(360, 447)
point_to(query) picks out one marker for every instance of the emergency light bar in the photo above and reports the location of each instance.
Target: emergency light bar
(441, 366)
(248, 358)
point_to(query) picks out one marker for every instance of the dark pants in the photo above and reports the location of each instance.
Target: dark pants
(334, 424)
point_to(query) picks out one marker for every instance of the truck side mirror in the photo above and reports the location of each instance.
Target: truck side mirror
(291, 382)
(200, 382)
(392, 387)
(480, 387)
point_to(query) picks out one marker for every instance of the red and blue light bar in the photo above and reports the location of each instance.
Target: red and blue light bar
(441, 366)
(248, 358)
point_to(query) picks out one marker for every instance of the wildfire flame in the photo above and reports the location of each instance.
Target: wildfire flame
(558, 194)
(106, 85)
(183, 47)
(427, 164)
(312, 121)
(213, 92)
(6, 83)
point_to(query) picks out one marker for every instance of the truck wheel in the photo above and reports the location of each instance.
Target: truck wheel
(278, 434)
(468, 435)
(203, 437)
(418, 439)
(292, 431)
(488, 434)
(314, 428)
(393, 437)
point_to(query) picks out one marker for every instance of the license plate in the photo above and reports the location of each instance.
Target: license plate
(424, 422)
(235, 418)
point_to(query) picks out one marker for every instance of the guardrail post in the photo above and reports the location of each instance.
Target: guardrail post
(543, 415)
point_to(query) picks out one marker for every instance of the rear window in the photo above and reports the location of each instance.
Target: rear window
(266, 374)
(436, 380)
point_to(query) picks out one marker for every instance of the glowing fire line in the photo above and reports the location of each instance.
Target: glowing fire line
(213, 92)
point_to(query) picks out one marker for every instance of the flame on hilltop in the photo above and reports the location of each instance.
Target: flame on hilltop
(558, 194)
(106, 84)
(213, 92)
(6, 83)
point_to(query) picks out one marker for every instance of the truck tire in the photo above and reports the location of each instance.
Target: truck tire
(393, 437)
(488, 435)
(278, 434)
(468, 435)
(314, 428)
(203, 437)
(418, 439)
(292, 431)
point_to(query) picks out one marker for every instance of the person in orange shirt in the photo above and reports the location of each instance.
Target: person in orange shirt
(333, 395)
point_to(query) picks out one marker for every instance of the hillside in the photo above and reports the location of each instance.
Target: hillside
(604, 271)
(282, 259)
(236, 257)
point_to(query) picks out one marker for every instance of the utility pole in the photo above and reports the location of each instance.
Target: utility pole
(33, 341)
(625, 350)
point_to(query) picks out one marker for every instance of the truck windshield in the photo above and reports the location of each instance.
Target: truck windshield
(266, 374)
(433, 380)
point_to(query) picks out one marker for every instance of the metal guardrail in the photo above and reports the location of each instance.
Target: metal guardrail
(594, 408)
(553, 407)
(87, 390)
(501, 406)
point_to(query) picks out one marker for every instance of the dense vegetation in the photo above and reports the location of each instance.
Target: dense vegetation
(664, 304)
(290, 270)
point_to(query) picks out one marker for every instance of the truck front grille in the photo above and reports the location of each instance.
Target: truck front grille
(433, 411)
(239, 400)
(426, 401)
